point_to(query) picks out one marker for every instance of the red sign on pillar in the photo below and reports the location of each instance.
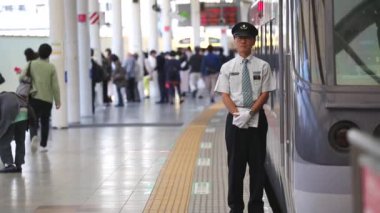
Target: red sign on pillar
(94, 18)
(81, 18)
(167, 28)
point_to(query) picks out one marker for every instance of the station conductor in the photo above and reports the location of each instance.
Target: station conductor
(244, 83)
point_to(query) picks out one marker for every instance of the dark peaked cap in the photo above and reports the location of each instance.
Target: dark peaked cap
(244, 29)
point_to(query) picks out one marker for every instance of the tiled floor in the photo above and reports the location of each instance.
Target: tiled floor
(110, 162)
(94, 168)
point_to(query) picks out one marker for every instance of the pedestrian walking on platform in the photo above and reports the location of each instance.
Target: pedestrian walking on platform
(45, 91)
(210, 70)
(244, 83)
(161, 73)
(195, 73)
(107, 66)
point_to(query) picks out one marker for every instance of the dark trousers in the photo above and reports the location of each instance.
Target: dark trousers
(19, 136)
(42, 109)
(162, 87)
(15, 131)
(246, 146)
(106, 99)
(131, 89)
(5, 145)
(93, 95)
(172, 86)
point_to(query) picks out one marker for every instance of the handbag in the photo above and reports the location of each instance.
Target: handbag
(119, 78)
(25, 85)
(2, 79)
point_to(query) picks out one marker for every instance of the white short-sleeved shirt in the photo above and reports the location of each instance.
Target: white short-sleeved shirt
(230, 79)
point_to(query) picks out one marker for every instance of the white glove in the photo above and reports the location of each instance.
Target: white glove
(241, 119)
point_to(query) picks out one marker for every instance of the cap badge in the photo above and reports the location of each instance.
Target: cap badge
(243, 27)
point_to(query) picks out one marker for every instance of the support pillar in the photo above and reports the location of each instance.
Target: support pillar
(117, 30)
(94, 18)
(152, 25)
(167, 28)
(84, 59)
(71, 60)
(196, 22)
(59, 118)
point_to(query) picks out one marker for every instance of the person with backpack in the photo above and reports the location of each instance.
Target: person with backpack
(210, 71)
(97, 76)
(173, 79)
(119, 79)
(107, 68)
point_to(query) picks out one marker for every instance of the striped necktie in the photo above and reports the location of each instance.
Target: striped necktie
(246, 86)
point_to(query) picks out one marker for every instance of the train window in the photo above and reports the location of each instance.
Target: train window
(262, 32)
(266, 31)
(311, 40)
(357, 42)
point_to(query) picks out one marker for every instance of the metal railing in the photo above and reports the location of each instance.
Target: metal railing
(365, 161)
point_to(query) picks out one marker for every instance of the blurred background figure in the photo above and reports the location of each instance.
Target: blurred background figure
(195, 73)
(150, 65)
(119, 79)
(210, 70)
(107, 67)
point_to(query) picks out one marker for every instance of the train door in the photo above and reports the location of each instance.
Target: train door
(288, 6)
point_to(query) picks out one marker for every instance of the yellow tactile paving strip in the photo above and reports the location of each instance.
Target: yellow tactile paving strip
(172, 190)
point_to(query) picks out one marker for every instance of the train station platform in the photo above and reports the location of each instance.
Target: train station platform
(143, 157)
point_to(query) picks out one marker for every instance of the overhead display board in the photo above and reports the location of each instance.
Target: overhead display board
(212, 14)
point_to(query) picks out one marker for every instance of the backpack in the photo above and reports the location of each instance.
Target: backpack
(97, 72)
(213, 64)
(173, 70)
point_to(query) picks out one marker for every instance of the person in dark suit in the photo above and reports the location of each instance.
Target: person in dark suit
(162, 79)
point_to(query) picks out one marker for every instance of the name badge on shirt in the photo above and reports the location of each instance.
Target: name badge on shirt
(234, 73)
(256, 75)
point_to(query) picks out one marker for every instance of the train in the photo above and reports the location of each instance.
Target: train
(325, 55)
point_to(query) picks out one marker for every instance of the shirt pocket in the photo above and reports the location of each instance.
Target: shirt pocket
(235, 83)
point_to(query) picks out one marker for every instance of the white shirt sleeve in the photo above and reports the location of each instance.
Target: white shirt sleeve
(269, 80)
(223, 84)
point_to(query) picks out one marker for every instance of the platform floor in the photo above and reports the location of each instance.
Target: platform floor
(115, 161)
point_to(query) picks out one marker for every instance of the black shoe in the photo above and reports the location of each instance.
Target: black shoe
(18, 169)
(9, 169)
(194, 94)
(212, 100)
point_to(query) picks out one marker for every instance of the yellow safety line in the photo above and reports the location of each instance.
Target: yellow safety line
(172, 190)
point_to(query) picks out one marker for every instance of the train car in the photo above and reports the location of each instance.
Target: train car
(326, 58)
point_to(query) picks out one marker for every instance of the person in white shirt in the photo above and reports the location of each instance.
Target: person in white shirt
(244, 84)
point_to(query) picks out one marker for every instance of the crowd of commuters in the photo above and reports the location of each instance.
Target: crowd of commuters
(176, 73)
